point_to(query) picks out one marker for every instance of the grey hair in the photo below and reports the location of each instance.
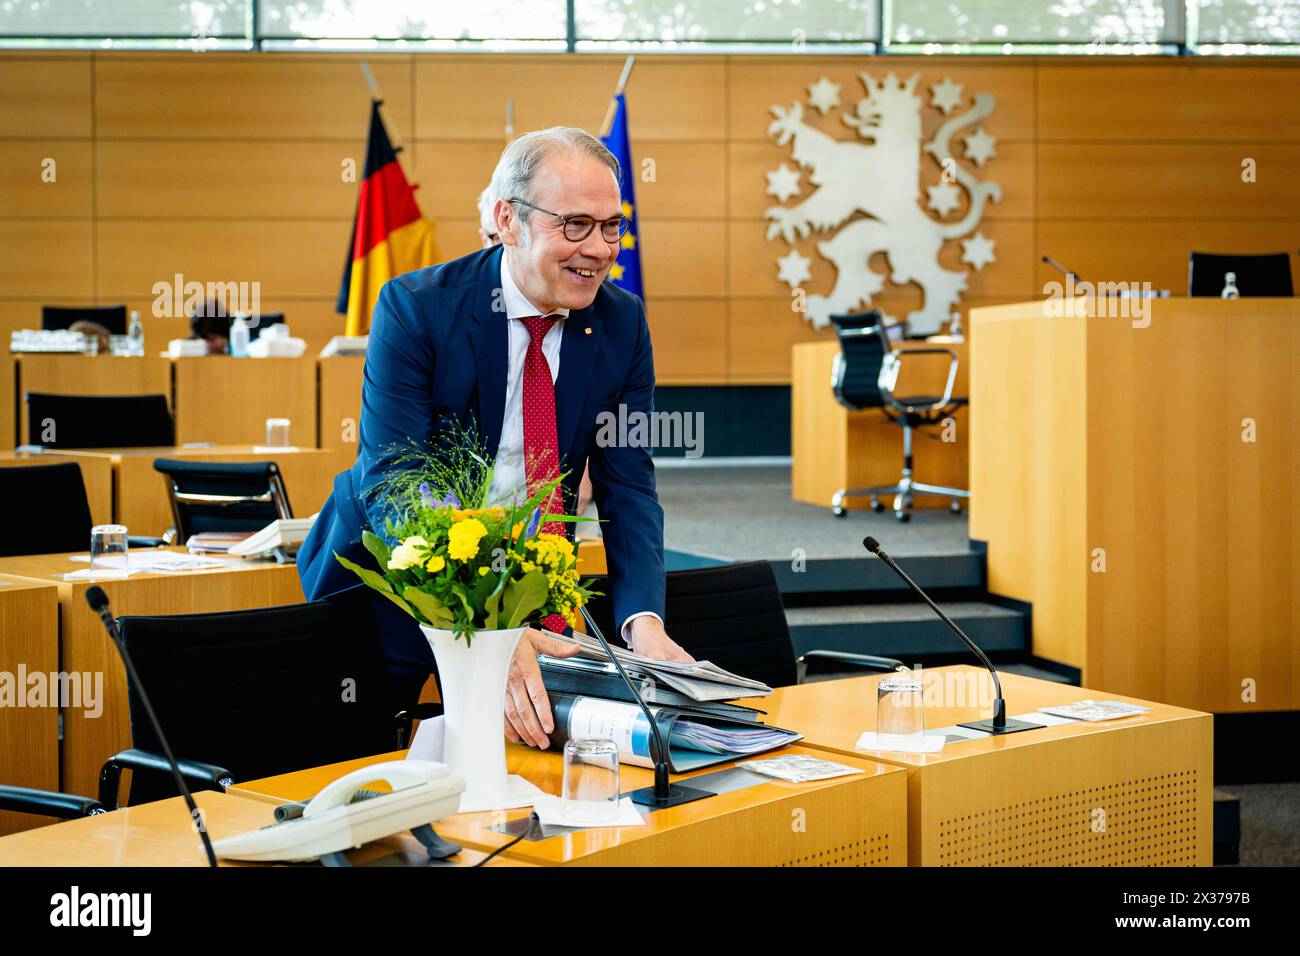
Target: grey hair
(485, 204)
(520, 160)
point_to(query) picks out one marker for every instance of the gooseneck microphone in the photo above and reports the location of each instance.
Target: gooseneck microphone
(98, 602)
(998, 723)
(1061, 269)
(663, 794)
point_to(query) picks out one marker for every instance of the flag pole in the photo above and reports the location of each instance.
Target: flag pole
(377, 95)
(510, 120)
(613, 100)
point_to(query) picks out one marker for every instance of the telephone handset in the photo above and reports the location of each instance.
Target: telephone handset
(345, 815)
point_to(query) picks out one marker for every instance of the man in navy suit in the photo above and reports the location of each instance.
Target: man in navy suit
(457, 342)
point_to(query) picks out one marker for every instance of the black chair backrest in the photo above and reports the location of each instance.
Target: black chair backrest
(731, 615)
(220, 496)
(43, 509)
(99, 421)
(260, 692)
(264, 321)
(111, 317)
(1257, 275)
(863, 346)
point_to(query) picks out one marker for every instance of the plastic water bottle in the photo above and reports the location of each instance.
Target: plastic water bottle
(1230, 287)
(239, 337)
(135, 335)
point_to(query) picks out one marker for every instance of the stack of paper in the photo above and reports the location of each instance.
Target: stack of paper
(701, 680)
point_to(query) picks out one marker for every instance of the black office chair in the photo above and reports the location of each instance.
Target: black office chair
(48, 803)
(264, 321)
(1268, 274)
(99, 421)
(248, 694)
(111, 317)
(215, 496)
(733, 616)
(864, 376)
(44, 510)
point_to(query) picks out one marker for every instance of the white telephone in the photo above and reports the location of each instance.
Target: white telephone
(344, 815)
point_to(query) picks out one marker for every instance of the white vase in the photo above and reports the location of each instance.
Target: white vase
(472, 680)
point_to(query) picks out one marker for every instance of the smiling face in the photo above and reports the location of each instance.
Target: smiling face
(550, 270)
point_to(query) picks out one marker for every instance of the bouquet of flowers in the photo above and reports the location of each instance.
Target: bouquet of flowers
(459, 563)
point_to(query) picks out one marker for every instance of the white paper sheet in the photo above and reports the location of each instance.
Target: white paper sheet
(552, 811)
(929, 744)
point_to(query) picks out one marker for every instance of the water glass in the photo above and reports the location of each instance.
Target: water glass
(900, 711)
(106, 541)
(277, 433)
(591, 794)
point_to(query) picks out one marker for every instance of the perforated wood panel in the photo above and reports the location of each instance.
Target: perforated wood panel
(873, 851)
(1147, 821)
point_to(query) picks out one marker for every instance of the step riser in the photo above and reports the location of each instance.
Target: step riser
(871, 575)
(909, 640)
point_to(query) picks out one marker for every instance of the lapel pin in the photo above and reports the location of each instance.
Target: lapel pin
(587, 330)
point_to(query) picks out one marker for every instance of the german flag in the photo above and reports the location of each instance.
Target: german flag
(389, 236)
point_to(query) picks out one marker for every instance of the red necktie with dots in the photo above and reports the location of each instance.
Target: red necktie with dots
(541, 446)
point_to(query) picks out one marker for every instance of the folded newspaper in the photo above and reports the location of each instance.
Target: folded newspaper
(700, 680)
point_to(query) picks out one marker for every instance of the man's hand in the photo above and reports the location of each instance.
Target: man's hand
(528, 709)
(649, 639)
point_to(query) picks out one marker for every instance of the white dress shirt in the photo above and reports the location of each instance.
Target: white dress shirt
(509, 482)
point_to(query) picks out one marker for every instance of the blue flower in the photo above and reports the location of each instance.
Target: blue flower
(450, 501)
(426, 496)
(533, 522)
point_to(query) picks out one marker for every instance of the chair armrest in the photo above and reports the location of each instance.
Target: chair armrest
(855, 660)
(48, 803)
(405, 718)
(135, 541)
(897, 357)
(206, 775)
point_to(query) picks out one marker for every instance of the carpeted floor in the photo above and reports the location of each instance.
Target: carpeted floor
(1270, 823)
(744, 513)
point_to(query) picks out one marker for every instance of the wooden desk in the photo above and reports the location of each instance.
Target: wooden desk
(89, 375)
(835, 448)
(8, 404)
(29, 732)
(591, 556)
(96, 473)
(140, 500)
(1131, 792)
(227, 400)
(1119, 489)
(84, 647)
(340, 378)
(847, 821)
(160, 834)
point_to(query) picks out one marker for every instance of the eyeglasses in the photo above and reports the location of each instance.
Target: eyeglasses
(578, 228)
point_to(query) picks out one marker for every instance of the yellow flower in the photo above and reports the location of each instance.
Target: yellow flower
(436, 563)
(482, 572)
(409, 553)
(463, 539)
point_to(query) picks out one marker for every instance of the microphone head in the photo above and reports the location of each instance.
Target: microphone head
(871, 544)
(96, 598)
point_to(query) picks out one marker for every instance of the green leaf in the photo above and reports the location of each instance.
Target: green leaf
(492, 610)
(375, 580)
(522, 598)
(428, 605)
(376, 546)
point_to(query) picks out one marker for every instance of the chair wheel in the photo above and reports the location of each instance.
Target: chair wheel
(903, 516)
(838, 511)
(954, 507)
(876, 506)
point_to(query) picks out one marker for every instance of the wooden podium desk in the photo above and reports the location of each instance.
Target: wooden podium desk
(340, 378)
(8, 406)
(89, 739)
(161, 834)
(96, 473)
(1130, 792)
(856, 820)
(29, 734)
(139, 496)
(1134, 478)
(226, 401)
(60, 374)
(835, 448)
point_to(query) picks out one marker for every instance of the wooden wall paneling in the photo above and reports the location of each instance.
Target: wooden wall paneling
(340, 378)
(46, 259)
(226, 401)
(45, 95)
(25, 188)
(86, 375)
(689, 338)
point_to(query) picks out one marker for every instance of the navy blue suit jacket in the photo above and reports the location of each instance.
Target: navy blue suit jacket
(438, 350)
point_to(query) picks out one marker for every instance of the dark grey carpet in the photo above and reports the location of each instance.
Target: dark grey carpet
(745, 513)
(1270, 823)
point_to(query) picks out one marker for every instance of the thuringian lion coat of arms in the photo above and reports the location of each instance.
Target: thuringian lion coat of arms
(867, 191)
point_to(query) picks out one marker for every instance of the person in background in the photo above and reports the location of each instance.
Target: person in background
(95, 331)
(211, 323)
(487, 227)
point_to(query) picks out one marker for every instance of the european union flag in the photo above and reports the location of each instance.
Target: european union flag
(626, 271)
